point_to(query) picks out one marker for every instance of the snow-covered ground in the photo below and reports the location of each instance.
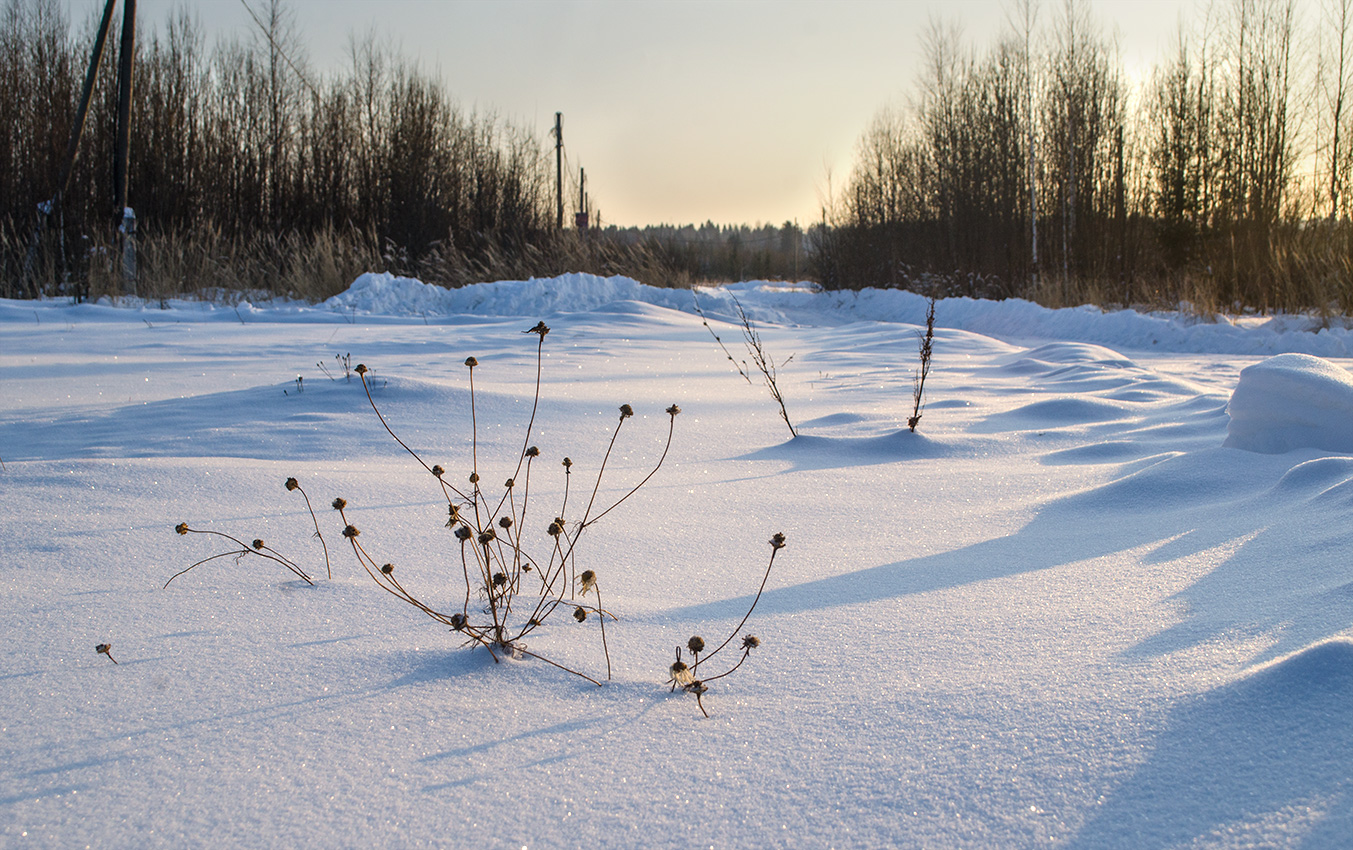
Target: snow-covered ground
(1083, 606)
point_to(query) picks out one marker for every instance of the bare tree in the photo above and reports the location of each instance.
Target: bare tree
(1336, 81)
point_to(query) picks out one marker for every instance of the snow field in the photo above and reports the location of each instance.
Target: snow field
(1083, 606)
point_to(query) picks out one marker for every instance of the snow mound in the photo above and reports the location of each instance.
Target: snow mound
(1315, 476)
(1077, 353)
(1292, 401)
(384, 294)
(1321, 667)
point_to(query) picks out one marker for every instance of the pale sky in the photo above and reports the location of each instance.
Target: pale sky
(734, 111)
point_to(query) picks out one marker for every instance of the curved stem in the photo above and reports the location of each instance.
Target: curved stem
(671, 428)
(560, 666)
(745, 653)
(327, 568)
(759, 591)
(404, 445)
(604, 648)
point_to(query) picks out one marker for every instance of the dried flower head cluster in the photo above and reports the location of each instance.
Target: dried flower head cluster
(501, 577)
(686, 676)
(514, 576)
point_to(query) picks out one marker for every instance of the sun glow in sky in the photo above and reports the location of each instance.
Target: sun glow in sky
(679, 111)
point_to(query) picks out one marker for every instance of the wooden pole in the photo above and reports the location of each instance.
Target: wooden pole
(72, 147)
(125, 222)
(559, 164)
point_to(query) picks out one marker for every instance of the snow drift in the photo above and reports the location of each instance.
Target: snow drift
(1292, 401)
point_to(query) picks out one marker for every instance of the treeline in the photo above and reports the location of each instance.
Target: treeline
(721, 252)
(1038, 169)
(248, 171)
(1035, 168)
(251, 173)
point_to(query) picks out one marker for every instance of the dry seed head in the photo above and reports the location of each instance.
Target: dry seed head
(579, 614)
(452, 516)
(340, 503)
(696, 644)
(463, 532)
(474, 477)
(350, 532)
(457, 621)
(568, 463)
(540, 328)
(487, 536)
(509, 483)
(258, 543)
(681, 674)
(696, 687)
(499, 579)
(471, 362)
(103, 648)
(388, 568)
(626, 411)
(533, 452)
(587, 581)
(777, 542)
(292, 484)
(437, 470)
(555, 529)
(751, 642)
(361, 369)
(505, 522)
(673, 410)
(181, 528)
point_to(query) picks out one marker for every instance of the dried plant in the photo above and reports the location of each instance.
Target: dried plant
(293, 484)
(704, 320)
(239, 552)
(918, 382)
(502, 604)
(764, 363)
(344, 360)
(513, 581)
(688, 676)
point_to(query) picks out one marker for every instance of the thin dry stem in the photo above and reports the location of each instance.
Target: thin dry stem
(270, 554)
(774, 550)
(327, 568)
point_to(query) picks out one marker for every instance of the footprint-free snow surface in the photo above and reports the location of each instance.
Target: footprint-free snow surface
(1103, 598)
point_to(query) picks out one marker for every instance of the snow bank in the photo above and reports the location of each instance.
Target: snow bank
(1292, 401)
(383, 297)
(384, 294)
(807, 304)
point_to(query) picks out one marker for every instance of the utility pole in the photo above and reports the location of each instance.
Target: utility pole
(47, 208)
(122, 213)
(559, 164)
(580, 220)
(1028, 10)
